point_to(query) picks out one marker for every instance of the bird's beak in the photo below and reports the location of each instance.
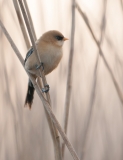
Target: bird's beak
(65, 39)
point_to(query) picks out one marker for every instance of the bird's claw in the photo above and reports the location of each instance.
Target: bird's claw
(46, 88)
(40, 65)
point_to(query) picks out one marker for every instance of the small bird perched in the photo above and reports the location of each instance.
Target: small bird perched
(49, 47)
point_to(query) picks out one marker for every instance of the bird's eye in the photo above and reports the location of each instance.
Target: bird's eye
(59, 38)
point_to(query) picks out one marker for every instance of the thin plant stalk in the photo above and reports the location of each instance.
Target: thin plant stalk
(53, 129)
(21, 22)
(93, 92)
(69, 76)
(30, 19)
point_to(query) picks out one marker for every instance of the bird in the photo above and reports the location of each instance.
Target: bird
(49, 47)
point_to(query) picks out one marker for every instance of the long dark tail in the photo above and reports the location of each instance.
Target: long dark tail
(30, 95)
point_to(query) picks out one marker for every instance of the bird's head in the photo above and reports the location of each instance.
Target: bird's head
(54, 37)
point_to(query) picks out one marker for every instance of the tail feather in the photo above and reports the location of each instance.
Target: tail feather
(30, 95)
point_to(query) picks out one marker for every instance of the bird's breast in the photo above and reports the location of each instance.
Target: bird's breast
(51, 59)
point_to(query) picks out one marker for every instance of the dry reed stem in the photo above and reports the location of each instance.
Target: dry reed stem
(69, 76)
(21, 22)
(44, 101)
(120, 94)
(30, 19)
(93, 92)
(55, 133)
(29, 31)
(53, 129)
(90, 111)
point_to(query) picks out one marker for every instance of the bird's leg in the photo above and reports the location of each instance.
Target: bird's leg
(46, 88)
(40, 65)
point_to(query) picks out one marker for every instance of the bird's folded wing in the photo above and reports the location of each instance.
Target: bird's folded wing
(29, 53)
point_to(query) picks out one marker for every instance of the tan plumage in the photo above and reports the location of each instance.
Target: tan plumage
(49, 46)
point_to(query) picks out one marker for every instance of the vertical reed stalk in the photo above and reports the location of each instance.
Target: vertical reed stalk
(69, 76)
(53, 130)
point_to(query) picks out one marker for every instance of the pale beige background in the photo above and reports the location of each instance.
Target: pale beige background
(24, 134)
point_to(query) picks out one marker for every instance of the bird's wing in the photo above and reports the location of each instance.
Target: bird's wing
(29, 53)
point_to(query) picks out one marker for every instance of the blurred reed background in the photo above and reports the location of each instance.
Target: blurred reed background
(95, 126)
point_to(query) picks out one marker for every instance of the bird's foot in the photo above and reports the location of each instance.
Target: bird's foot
(46, 88)
(40, 65)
